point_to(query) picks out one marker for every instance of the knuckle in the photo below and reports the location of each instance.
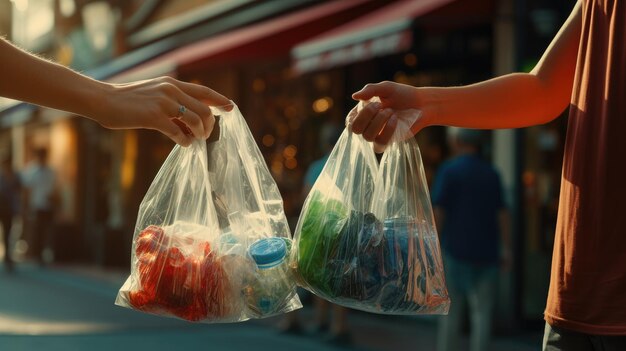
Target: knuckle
(204, 111)
(210, 121)
(166, 79)
(169, 88)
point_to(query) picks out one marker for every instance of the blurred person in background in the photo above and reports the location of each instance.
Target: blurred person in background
(475, 239)
(39, 180)
(584, 68)
(338, 327)
(177, 109)
(10, 192)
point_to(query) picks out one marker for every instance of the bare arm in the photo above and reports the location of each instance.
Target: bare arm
(150, 104)
(510, 101)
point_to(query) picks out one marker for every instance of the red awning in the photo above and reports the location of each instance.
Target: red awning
(382, 32)
(266, 39)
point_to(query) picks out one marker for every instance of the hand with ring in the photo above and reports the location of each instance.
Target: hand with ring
(178, 109)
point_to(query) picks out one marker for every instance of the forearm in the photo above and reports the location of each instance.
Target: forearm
(32, 79)
(518, 99)
(510, 101)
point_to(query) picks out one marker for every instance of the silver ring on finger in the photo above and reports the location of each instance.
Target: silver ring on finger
(181, 111)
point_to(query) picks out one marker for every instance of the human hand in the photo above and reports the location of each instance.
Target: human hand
(156, 104)
(377, 121)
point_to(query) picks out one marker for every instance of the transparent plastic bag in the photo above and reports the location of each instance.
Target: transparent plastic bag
(366, 237)
(212, 242)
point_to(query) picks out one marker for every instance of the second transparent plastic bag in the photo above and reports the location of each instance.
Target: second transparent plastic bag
(366, 237)
(211, 242)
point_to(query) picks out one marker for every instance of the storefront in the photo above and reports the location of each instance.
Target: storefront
(292, 67)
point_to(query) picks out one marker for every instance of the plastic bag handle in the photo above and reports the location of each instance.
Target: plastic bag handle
(406, 119)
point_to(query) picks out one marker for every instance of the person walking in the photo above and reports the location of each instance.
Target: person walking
(39, 180)
(473, 224)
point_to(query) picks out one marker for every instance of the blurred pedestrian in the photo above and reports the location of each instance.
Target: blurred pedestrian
(475, 239)
(176, 109)
(39, 180)
(583, 68)
(10, 192)
(338, 326)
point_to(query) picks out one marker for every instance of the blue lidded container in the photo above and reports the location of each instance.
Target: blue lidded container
(272, 287)
(268, 252)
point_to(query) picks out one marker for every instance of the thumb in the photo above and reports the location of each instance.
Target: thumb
(381, 90)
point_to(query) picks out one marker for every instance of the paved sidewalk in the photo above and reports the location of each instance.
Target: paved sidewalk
(370, 331)
(68, 307)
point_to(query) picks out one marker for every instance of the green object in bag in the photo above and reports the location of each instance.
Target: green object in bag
(319, 241)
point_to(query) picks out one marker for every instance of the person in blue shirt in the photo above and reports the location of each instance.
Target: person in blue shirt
(473, 225)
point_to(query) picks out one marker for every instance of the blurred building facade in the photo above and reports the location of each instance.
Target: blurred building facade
(290, 66)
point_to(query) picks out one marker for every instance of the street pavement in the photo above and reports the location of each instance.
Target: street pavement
(71, 308)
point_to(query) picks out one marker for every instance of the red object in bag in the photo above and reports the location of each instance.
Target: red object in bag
(149, 240)
(190, 288)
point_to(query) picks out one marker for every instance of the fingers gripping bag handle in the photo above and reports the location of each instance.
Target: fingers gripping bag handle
(414, 274)
(191, 249)
(347, 249)
(327, 234)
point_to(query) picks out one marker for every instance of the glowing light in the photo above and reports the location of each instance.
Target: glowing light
(401, 77)
(268, 140)
(68, 7)
(20, 5)
(322, 105)
(99, 22)
(410, 60)
(290, 151)
(258, 85)
(290, 112)
(129, 158)
(291, 163)
(277, 168)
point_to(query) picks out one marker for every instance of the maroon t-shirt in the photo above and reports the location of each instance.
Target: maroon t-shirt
(588, 284)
